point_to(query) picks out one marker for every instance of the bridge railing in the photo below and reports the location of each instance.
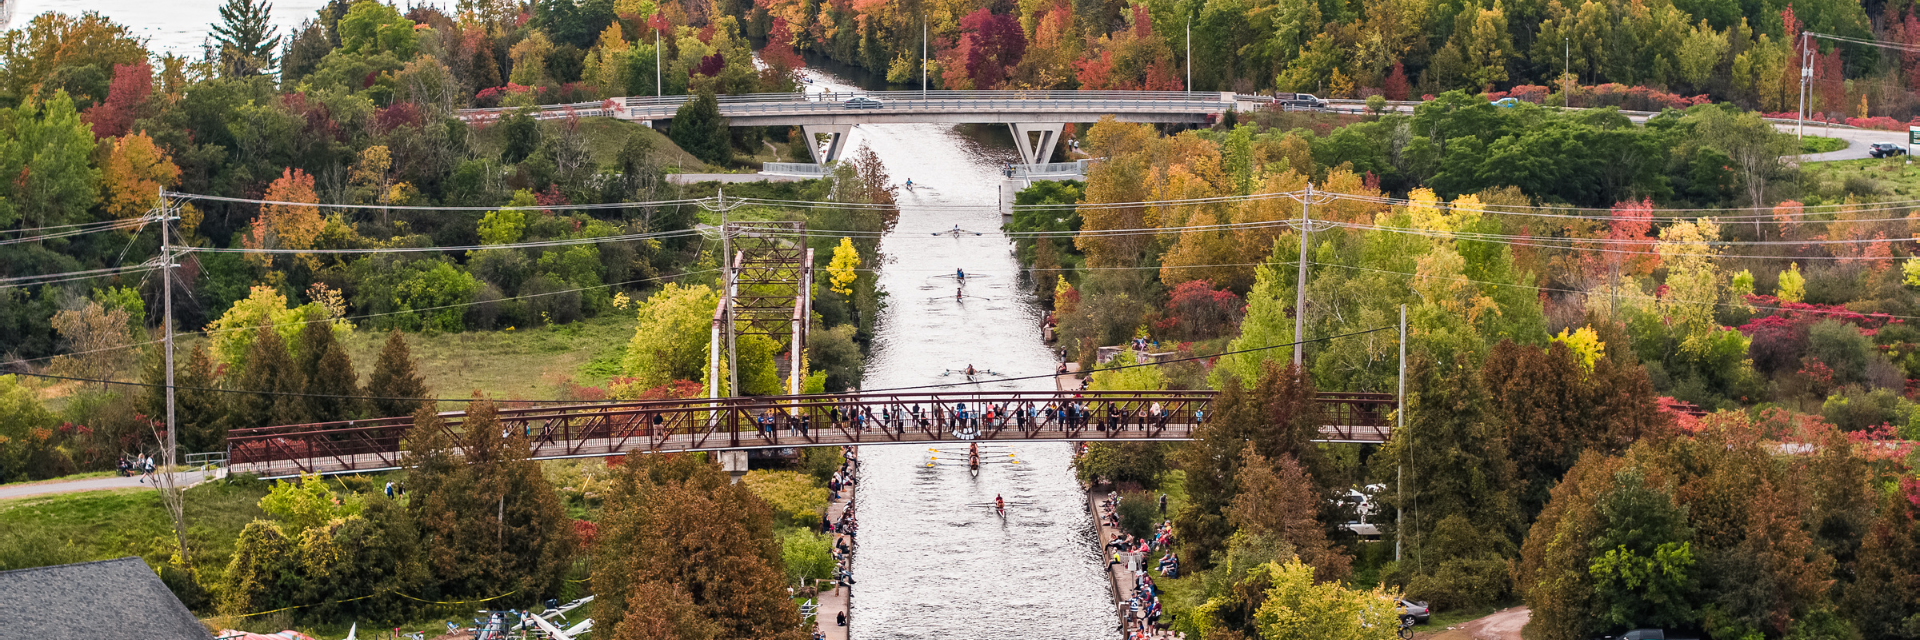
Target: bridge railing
(571, 431)
(1077, 167)
(795, 169)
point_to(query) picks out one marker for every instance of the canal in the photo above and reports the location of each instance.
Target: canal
(930, 565)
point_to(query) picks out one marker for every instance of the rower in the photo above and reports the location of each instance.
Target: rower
(970, 371)
(957, 295)
(909, 184)
(999, 504)
(956, 229)
(960, 274)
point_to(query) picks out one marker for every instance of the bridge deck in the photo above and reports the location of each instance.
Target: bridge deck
(788, 421)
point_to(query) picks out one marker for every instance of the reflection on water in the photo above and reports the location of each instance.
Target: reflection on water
(929, 565)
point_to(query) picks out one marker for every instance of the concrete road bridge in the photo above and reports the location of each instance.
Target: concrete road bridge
(1035, 117)
(775, 422)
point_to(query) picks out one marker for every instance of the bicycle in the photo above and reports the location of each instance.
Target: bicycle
(1406, 627)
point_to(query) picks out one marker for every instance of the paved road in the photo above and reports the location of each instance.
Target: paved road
(1856, 139)
(728, 178)
(90, 484)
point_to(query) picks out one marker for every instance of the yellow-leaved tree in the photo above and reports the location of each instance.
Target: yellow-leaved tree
(134, 173)
(840, 272)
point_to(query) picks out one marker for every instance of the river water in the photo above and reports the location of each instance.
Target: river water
(176, 26)
(930, 565)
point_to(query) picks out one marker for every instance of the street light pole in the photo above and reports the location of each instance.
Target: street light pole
(1189, 54)
(923, 56)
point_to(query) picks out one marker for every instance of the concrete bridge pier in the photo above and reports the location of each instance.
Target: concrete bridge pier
(734, 463)
(1036, 151)
(836, 141)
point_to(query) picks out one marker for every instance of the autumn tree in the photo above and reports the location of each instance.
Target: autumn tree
(1279, 500)
(126, 101)
(670, 341)
(286, 226)
(699, 129)
(1275, 418)
(395, 380)
(728, 563)
(133, 175)
(1554, 407)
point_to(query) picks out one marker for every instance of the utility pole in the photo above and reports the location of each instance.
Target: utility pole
(166, 317)
(1806, 76)
(1189, 54)
(656, 64)
(726, 246)
(1566, 75)
(1300, 287)
(1399, 424)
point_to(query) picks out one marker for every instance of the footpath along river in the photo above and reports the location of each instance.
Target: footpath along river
(929, 565)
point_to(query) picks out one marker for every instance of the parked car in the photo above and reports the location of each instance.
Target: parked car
(1416, 610)
(1886, 150)
(863, 102)
(1299, 101)
(1507, 103)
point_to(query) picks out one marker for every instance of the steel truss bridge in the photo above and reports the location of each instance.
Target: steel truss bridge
(773, 422)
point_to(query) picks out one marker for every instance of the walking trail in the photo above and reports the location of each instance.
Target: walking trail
(29, 489)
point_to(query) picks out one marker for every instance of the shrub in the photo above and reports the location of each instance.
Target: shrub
(1857, 409)
(795, 499)
(1460, 583)
(1139, 512)
(1134, 462)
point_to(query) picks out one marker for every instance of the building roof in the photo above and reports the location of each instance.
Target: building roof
(105, 600)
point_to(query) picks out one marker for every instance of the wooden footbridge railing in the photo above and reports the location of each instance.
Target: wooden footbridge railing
(596, 430)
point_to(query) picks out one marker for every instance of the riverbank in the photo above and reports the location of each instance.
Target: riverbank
(835, 606)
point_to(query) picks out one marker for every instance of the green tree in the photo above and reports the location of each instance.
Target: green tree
(1299, 608)
(395, 379)
(24, 427)
(45, 149)
(1134, 462)
(670, 341)
(267, 390)
(246, 37)
(1553, 409)
(309, 503)
(698, 128)
(332, 386)
(1643, 564)
(372, 27)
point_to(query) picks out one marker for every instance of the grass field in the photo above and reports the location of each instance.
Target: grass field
(1866, 179)
(1818, 144)
(99, 525)
(521, 364)
(604, 138)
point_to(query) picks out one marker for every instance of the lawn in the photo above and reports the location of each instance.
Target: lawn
(1866, 179)
(534, 363)
(1818, 144)
(605, 137)
(99, 525)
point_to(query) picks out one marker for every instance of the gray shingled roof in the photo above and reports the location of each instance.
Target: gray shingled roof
(105, 600)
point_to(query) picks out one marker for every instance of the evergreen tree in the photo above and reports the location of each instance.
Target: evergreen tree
(1461, 520)
(698, 128)
(332, 386)
(394, 379)
(246, 37)
(1553, 408)
(1276, 419)
(269, 390)
(196, 405)
(490, 519)
(1279, 500)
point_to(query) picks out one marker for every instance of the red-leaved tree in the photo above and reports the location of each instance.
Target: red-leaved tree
(132, 84)
(993, 44)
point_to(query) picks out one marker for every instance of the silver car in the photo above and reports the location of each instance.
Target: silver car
(1416, 610)
(862, 102)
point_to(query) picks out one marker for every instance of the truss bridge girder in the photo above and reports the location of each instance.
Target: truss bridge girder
(769, 277)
